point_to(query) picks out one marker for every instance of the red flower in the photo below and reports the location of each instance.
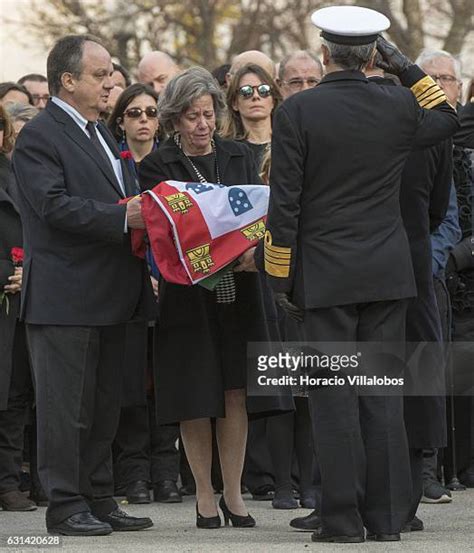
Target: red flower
(17, 255)
(126, 154)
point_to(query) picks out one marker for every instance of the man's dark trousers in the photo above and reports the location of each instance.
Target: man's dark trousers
(360, 441)
(78, 379)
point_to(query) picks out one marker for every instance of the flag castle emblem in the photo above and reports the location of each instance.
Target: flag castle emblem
(179, 203)
(255, 231)
(200, 259)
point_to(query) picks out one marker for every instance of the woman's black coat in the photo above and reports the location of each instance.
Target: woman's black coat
(10, 237)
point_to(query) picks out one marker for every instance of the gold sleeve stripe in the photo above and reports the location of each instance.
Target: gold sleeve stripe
(277, 261)
(279, 271)
(423, 85)
(424, 89)
(433, 96)
(277, 258)
(428, 92)
(436, 102)
(284, 256)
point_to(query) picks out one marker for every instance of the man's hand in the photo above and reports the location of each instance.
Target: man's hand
(15, 281)
(393, 61)
(154, 285)
(134, 213)
(247, 262)
(290, 309)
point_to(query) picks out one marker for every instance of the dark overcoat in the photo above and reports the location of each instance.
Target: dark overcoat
(10, 237)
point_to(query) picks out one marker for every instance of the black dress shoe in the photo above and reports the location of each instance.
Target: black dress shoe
(322, 537)
(284, 498)
(15, 500)
(415, 525)
(121, 522)
(207, 522)
(263, 493)
(383, 537)
(238, 521)
(138, 492)
(167, 492)
(81, 524)
(309, 523)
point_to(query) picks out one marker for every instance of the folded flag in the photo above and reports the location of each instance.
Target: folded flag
(196, 229)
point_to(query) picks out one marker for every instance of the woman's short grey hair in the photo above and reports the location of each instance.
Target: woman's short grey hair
(350, 58)
(184, 89)
(21, 112)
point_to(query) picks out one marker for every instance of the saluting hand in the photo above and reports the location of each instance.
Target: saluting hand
(134, 213)
(394, 61)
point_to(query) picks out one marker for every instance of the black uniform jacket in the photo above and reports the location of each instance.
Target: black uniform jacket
(78, 267)
(335, 235)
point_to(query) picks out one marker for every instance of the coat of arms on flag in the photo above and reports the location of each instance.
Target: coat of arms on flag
(195, 229)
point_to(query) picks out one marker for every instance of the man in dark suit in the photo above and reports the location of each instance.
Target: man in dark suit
(337, 256)
(81, 285)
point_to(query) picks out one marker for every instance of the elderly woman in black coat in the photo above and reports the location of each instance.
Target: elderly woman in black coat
(14, 368)
(202, 338)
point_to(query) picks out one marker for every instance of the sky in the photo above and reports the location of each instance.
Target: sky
(17, 59)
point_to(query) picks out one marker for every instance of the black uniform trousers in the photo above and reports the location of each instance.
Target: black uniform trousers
(14, 418)
(360, 441)
(78, 383)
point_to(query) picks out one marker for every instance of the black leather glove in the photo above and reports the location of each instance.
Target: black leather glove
(289, 308)
(393, 61)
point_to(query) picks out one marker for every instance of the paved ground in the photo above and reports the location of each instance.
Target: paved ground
(449, 528)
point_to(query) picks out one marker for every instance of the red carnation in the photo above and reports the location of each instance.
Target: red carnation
(126, 154)
(17, 255)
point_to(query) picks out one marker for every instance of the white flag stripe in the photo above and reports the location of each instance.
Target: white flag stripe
(217, 209)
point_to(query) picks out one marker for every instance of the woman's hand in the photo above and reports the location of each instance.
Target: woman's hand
(15, 281)
(247, 262)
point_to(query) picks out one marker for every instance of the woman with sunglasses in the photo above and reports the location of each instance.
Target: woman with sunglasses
(134, 123)
(252, 97)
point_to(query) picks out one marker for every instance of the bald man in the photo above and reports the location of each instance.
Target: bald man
(251, 56)
(156, 69)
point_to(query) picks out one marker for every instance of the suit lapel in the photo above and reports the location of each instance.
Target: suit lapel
(72, 129)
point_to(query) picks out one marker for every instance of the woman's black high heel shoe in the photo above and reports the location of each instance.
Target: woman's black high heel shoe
(207, 522)
(238, 521)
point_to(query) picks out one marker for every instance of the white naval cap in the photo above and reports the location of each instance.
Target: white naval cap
(350, 25)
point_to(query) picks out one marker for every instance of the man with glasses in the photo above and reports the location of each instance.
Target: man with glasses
(445, 69)
(299, 71)
(37, 86)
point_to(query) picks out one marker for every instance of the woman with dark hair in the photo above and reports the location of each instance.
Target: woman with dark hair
(252, 98)
(143, 452)
(15, 379)
(14, 92)
(134, 124)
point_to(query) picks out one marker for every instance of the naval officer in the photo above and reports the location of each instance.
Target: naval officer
(336, 253)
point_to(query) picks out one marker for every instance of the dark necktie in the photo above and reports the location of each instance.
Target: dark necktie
(95, 140)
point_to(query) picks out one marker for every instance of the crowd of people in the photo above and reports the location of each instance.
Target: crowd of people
(115, 382)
